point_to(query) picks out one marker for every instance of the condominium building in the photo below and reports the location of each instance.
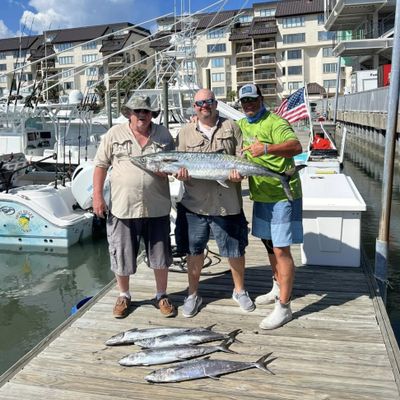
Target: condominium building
(59, 61)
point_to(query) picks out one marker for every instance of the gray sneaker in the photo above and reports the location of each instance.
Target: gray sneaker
(244, 301)
(191, 306)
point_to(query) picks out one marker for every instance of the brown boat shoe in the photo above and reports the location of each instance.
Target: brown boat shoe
(121, 308)
(165, 306)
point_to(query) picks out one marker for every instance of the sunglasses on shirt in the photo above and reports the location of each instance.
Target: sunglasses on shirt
(138, 111)
(201, 103)
(248, 100)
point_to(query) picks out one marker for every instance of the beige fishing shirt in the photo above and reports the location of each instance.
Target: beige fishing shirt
(209, 197)
(135, 193)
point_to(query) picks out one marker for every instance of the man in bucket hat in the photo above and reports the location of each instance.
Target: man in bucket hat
(140, 202)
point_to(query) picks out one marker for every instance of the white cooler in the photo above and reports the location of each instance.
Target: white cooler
(332, 208)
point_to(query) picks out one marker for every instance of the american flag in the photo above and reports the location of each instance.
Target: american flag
(294, 107)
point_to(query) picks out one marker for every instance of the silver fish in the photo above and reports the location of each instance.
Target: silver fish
(205, 368)
(210, 166)
(131, 336)
(163, 355)
(194, 336)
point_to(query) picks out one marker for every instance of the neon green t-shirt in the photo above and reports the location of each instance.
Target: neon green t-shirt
(270, 129)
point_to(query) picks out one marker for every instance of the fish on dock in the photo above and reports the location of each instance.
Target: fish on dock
(132, 335)
(206, 368)
(210, 166)
(163, 355)
(194, 336)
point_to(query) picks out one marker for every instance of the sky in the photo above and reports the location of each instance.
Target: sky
(31, 17)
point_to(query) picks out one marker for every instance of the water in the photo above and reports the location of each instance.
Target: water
(37, 292)
(367, 176)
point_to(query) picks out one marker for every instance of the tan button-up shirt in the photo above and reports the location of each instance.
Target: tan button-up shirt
(135, 193)
(209, 197)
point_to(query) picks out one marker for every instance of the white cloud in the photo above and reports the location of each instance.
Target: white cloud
(55, 14)
(4, 31)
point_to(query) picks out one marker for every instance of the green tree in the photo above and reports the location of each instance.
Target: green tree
(130, 82)
(231, 95)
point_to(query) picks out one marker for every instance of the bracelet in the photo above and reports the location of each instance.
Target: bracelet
(265, 148)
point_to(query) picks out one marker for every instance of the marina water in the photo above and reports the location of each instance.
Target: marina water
(37, 291)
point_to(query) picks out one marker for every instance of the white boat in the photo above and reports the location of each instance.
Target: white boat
(48, 217)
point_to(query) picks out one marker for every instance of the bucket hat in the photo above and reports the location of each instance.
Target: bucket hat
(138, 103)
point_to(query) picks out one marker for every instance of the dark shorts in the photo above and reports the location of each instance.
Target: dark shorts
(124, 237)
(192, 232)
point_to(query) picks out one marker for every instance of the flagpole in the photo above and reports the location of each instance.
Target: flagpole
(308, 110)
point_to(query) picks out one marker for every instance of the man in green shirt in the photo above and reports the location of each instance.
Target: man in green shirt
(269, 140)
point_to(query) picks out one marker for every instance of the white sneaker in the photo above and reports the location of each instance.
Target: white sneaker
(270, 297)
(244, 300)
(281, 314)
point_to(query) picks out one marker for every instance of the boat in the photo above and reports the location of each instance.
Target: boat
(48, 217)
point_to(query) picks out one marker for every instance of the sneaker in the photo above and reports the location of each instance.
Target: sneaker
(269, 298)
(191, 306)
(121, 308)
(244, 301)
(281, 314)
(165, 306)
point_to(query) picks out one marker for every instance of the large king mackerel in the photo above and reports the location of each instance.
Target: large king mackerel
(210, 166)
(132, 335)
(205, 368)
(194, 336)
(163, 355)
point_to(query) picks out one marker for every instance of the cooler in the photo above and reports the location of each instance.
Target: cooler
(332, 208)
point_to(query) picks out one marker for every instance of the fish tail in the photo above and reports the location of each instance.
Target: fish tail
(262, 363)
(285, 179)
(233, 335)
(224, 346)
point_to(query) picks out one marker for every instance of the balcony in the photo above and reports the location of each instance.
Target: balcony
(244, 78)
(245, 64)
(268, 92)
(116, 60)
(265, 45)
(344, 15)
(262, 61)
(265, 76)
(244, 49)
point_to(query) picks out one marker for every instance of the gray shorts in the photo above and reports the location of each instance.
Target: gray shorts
(124, 236)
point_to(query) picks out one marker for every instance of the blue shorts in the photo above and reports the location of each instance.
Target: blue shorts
(193, 232)
(281, 222)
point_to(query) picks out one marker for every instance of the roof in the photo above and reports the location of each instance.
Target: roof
(287, 8)
(23, 43)
(113, 43)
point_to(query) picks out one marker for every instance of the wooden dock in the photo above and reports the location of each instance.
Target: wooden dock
(338, 346)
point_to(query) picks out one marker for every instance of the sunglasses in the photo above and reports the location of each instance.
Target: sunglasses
(248, 100)
(201, 103)
(138, 111)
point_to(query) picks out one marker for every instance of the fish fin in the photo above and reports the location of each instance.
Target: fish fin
(223, 184)
(210, 327)
(224, 346)
(262, 363)
(285, 179)
(170, 159)
(213, 377)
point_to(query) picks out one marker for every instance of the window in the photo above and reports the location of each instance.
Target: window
(66, 60)
(215, 33)
(293, 22)
(219, 77)
(321, 19)
(3, 56)
(62, 46)
(19, 54)
(19, 64)
(294, 38)
(86, 58)
(91, 71)
(329, 68)
(219, 91)
(89, 46)
(217, 62)
(267, 12)
(68, 85)
(245, 18)
(295, 70)
(327, 52)
(90, 83)
(329, 83)
(3, 67)
(293, 54)
(3, 79)
(216, 48)
(326, 35)
(67, 72)
(294, 85)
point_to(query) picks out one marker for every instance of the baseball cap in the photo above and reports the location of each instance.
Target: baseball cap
(249, 90)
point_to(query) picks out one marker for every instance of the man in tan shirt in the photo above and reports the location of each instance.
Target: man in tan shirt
(140, 202)
(206, 205)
